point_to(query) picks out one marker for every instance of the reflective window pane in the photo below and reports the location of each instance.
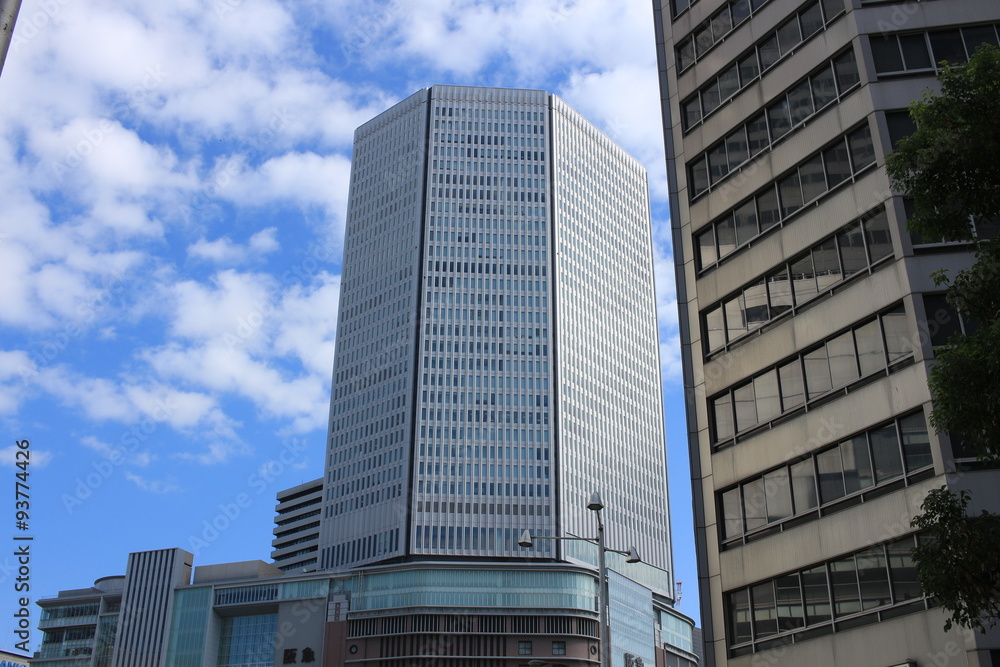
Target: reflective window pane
(832, 8)
(847, 71)
(765, 389)
(976, 36)
(778, 119)
(691, 113)
(723, 409)
(736, 147)
(873, 577)
(703, 39)
(947, 46)
(732, 519)
(706, 247)
(811, 19)
(765, 620)
(710, 99)
(726, 234)
(779, 292)
(699, 176)
(804, 486)
(816, 595)
(788, 35)
(824, 86)
(767, 209)
(871, 356)
(754, 504)
(736, 324)
(739, 615)
(851, 242)
(837, 164)
(745, 219)
(885, 453)
(746, 409)
(885, 53)
(722, 23)
(897, 340)
(915, 55)
(916, 444)
(749, 70)
(862, 151)
(804, 280)
(729, 83)
(791, 194)
(800, 103)
(902, 570)
(779, 495)
(741, 11)
(942, 320)
(757, 134)
(755, 302)
(843, 360)
(831, 475)
(827, 264)
(813, 178)
(792, 392)
(857, 464)
(685, 54)
(718, 163)
(769, 53)
(817, 369)
(877, 236)
(715, 330)
(844, 583)
(788, 600)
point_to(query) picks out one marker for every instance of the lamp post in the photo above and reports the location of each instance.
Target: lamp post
(631, 556)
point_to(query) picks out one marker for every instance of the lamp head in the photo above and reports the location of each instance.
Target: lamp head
(595, 503)
(633, 556)
(525, 539)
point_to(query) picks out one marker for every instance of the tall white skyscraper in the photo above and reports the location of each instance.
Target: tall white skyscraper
(497, 357)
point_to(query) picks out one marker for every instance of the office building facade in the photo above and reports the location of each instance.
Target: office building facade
(808, 323)
(497, 356)
(296, 526)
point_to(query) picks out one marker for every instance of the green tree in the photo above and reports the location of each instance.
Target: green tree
(950, 166)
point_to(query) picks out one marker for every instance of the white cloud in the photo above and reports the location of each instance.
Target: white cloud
(224, 251)
(38, 458)
(153, 485)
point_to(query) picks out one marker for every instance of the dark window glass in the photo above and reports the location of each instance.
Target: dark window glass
(691, 112)
(800, 102)
(754, 504)
(699, 176)
(788, 35)
(741, 11)
(765, 620)
(851, 242)
(947, 46)
(765, 389)
(827, 264)
(897, 340)
(837, 163)
(877, 236)
(900, 126)
(745, 218)
(779, 292)
(843, 359)
(976, 36)
(788, 599)
(757, 4)
(885, 454)
(942, 320)
(769, 52)
(873, 576)
(915, 55)
(832, 8)
(678, 6)
(746, 410)
(871, 355)
(885, 53)
(847, 71)
(816, 594)
(804, 280)
(817, 368)
(831, 475)
(710, 99)
(778, 119)
(824, 86)
(718, 163)
(767, 209)
(706, 247)
(732, 519)
(804, 486)
(778, 493)
(736, 147)
(757, 134)
(735, 317)
(685, 54)
(811, 19)
(844, 583)
(857, 464)
(916, 444)
(862, 151)
(727, 236)
(703, 39)
(791, 194)
(723, 408)
(813, 178)
(904, 574)
(715, 331)
(748, 68)
(739, 614)
(729, 83)
(755, 301)
(722, 23)
(792, 393)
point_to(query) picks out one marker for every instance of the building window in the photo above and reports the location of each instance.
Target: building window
(524, 648)
(558, 648)
(924, 51)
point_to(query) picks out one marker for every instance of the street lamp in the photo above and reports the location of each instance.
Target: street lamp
(631, 556)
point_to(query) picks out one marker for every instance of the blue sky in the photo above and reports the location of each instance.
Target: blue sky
(173, 184)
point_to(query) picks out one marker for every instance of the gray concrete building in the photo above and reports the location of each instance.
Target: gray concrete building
(296, 526)
(808, 323)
